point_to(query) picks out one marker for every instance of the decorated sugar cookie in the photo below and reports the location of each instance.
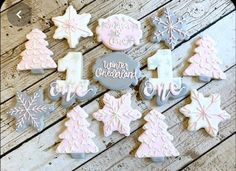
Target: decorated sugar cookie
(77, 138)
(72, 26)
(74, 87)
(204, 112)
(36, 57)
(116, 71)
(30, 111)
(169, 28)
(117, 114)
(119, 32)
(205, 63)
(165, 86)
(156, 141)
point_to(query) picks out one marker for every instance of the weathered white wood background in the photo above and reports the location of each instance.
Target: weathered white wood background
(36, 151)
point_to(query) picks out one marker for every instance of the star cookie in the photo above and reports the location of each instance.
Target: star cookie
(204, 112)
(72, 26)
(117, 114)
(169, 28)
(30, 110)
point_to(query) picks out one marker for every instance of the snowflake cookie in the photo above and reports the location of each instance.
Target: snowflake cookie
(204, 63)
(117, 114)
(72, 26)
(156, 141)
(204, 112)
(77, 138)
(169, 28)
(36, 57)
(30, 110)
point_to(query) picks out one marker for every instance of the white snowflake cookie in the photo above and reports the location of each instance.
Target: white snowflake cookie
(72, 26)
(204, 112)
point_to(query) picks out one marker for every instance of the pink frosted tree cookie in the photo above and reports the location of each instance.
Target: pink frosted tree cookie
(77, 138)
(205, 63)
(36, 57)
(156, 141)
(117, 114)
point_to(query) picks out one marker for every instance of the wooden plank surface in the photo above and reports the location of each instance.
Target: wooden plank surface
(36, 151)
(11, 139)
(221, 157)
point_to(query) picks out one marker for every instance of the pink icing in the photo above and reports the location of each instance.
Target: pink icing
(77, 138)
(205, 62)
(119, 32)
(117, 114)
(155, 141)
(36, 55)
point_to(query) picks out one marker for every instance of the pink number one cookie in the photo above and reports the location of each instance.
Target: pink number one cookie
(156, 141)
(77, 138)
(36, 57)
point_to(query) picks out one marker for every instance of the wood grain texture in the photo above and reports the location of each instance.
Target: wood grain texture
(10, 138)
(42, 147)
(189, 144)
(222, 157)
(211, 12)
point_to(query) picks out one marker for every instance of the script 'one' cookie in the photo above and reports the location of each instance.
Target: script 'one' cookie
(36, 57)
(204, 112)
(72, 26)
(119, 32)
(169, 28)
(156, 141)
(30, 110)
(117, 114)
(116, 71)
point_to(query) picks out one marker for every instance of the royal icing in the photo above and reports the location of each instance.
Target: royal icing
(165, 86)
(74, 87)
(72, 26)
(204, 112)
(117, 114)
(36, 57)
(119, 32)
(77, 138)
(205, 62)
(116, 71)
(169, 28)
(30, 111)
(156, 141)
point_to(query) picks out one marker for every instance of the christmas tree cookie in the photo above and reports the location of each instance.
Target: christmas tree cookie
(156, 141)
(205, 62)
(77, 138)
(204, 112)
(36, 57)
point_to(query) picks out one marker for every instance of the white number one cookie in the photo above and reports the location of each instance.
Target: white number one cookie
(165, 85)
(74, 87)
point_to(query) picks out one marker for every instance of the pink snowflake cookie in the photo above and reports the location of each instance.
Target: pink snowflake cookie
(204, 112)
(77, 138)
(205, 63)
(117, 114)
(36, 57)
(156, 141)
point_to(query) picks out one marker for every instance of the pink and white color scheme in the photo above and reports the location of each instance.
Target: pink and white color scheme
(36, 56)
(204, 112)
(156, 141)
(77, 138)
(119, 32)
(117, 114)
(72, 26)
(205, 63)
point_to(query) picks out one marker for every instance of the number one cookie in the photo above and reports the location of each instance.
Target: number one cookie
(165, 85)
(74, 87)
